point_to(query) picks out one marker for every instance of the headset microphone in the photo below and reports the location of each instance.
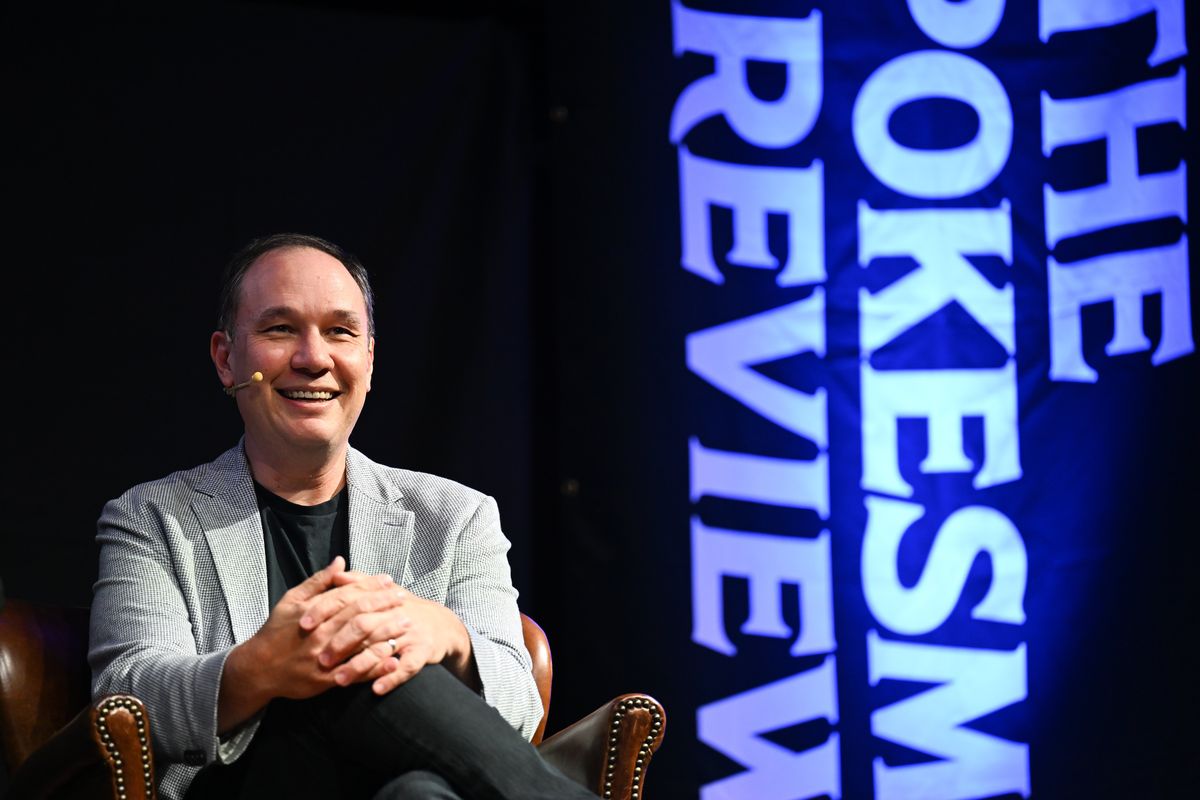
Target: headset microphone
(232, 390)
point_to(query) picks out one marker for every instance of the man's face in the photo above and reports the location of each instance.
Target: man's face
(302, 322)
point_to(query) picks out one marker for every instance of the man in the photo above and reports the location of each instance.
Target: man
(225, 602)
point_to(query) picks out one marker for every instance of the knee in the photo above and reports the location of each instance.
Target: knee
(417, 785)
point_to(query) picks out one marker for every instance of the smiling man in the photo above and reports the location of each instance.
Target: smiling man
(299, 619)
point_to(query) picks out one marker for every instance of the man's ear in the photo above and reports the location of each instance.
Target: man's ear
(370, 361)
(218, 349)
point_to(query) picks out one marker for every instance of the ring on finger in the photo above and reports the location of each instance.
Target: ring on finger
(393, 646)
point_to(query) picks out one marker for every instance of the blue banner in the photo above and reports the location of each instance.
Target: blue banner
(939, 308)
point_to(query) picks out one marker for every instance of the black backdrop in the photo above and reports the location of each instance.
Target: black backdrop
(464, 156)
(148, 145)
(504, 171)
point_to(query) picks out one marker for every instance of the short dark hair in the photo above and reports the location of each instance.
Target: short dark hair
(242, 260)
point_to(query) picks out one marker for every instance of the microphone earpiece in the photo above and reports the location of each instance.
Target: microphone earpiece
(232, 390)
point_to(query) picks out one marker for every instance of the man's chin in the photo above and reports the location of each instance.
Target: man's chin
(307, 440)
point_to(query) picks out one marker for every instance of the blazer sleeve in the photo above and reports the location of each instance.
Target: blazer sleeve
(481, 593)
(142, 639)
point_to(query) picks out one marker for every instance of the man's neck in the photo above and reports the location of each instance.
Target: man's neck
(305, 478)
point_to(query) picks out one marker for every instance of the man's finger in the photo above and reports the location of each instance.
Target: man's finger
(362, 664)
(328, 603)
(405, 668)
(354, 576)
(384, 666)
(338, 606)
(377, 626)
(318, 582)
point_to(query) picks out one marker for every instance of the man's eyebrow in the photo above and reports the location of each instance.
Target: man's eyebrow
(342, 315)
(274, 312)
(347, 316)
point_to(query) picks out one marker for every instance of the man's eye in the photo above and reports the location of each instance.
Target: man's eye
(278, 329)
(342, 332)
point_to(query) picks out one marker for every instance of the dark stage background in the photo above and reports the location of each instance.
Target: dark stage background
(504, 171)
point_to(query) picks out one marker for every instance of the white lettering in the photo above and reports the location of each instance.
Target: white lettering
(974, 683)
(1126, 196)
(732, 40)
(950, 172)
(957, 23)
(945, 398)
(1055, 16)
(752, 193)
(765, 562)
(724, 356)
(965, 534)
(734, 727)
(1124, 279)
(939, 239)
(760, 479)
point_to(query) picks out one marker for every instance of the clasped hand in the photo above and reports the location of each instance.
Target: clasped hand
(341, 627)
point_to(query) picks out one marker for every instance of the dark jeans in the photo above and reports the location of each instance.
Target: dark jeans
(350, 743)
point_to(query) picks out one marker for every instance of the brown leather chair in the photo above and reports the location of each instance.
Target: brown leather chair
(106, 750)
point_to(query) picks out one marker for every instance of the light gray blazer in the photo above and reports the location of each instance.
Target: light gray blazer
(183, 578)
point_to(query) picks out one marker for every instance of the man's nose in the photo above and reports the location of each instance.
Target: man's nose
(312, 353)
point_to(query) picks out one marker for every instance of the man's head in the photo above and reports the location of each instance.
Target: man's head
(300, 314)
(235, 272)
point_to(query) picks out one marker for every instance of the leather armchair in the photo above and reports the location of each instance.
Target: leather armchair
(107, 749)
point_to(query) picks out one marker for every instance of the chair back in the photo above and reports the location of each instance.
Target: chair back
(44, 675)
(543, 668)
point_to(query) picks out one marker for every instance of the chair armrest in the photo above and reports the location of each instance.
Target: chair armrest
(105, 751)
(610, 749)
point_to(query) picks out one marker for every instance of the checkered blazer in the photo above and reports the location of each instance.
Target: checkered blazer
(183, 578)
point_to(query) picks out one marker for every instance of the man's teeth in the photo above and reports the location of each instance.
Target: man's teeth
(295, 395)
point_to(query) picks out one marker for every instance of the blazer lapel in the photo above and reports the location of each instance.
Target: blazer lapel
(381, 528)
(381, 531)
(227, 510)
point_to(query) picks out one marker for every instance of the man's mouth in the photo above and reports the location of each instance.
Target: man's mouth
(306, 394)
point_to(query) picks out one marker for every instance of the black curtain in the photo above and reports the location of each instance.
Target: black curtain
(148, 144)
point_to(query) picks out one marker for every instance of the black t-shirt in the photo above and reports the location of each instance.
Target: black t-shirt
(300, 540)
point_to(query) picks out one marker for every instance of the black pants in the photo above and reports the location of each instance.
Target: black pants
(350, 743)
